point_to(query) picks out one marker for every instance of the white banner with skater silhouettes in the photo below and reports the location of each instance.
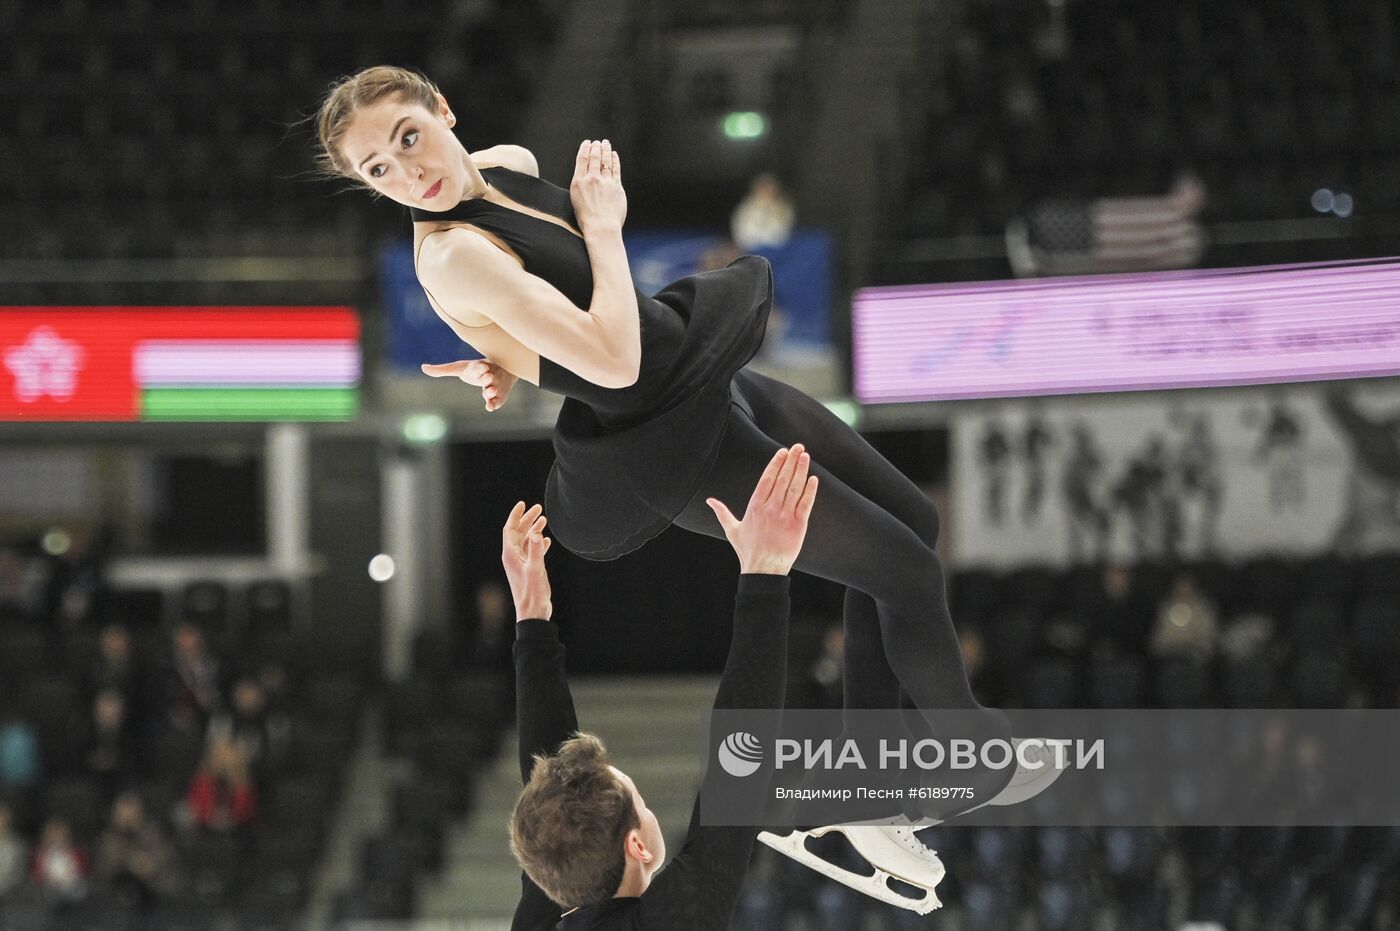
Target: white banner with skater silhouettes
(1191, 474)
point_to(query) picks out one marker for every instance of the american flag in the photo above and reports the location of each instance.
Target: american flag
(1110, 234)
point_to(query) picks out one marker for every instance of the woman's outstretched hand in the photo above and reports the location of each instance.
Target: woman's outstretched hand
(774, 527)
(495, 382)
(523, 545)
(599, 201)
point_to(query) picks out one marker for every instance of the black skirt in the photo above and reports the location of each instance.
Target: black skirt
(611, 490)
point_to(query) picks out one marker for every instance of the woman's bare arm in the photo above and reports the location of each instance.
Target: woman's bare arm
(474, 279)
(531, 309)
(515, 157)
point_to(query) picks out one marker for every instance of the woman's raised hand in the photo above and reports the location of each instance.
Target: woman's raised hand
(495, 382)
(599, 201)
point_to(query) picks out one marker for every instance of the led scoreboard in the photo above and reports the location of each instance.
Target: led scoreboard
(178, 363)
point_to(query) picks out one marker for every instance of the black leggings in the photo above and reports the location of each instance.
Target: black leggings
(872, 530)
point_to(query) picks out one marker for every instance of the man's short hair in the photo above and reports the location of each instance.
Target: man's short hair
(571, 820)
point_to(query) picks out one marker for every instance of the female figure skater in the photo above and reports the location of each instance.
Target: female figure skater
(659, 413)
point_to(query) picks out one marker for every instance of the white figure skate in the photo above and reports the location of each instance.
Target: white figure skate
(892, 850)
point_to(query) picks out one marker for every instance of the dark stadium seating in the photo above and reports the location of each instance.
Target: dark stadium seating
(194, 137)
(1273, 877)
(1127, 94)
(259, 876)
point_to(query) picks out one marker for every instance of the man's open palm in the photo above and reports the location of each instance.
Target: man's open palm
(770, 536)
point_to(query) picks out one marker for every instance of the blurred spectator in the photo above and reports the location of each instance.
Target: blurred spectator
(59, 867)
(764, 217)
(77, 580)
(276, 687)
(20, 765)
(1118, 619)
(1186, 623)
(1065, 635)
(489, 643)
(718, 256)
(1274, 779)
(1247, 636)
(824, 685)
(986, 684)
(258, 732)
(135, 860)
(192, 685)
(12, 854)
(110, 750)
(221, 796)
(21, 588)
(1311, 773)
(115, 665)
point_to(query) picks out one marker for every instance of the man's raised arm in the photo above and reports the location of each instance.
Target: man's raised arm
(544, 708)
(700, 887)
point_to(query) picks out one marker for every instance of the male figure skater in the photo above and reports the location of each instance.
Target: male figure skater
(590, 848)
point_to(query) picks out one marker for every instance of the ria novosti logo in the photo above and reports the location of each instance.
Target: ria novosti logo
(741, 754)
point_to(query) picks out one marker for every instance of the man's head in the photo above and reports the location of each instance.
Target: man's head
(580, 827)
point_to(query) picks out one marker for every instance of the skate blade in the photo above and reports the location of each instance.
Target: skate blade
(794, 845)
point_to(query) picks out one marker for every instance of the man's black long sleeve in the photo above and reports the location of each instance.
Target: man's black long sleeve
(699, 888)
(545, 718)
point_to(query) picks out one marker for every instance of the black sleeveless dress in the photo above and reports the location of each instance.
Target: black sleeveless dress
(628, 460)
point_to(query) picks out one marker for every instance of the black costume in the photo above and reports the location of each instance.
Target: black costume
(698, 889)
(696, 424)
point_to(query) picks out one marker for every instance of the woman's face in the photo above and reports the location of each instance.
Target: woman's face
(407, 153)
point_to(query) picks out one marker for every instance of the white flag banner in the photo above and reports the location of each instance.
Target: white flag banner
(1226, 473)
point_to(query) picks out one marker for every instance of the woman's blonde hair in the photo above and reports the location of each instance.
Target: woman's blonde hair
(361, 89)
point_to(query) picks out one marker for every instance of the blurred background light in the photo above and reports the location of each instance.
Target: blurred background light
(424, 429)
(745, 124)
(381, 568)
(56, 542)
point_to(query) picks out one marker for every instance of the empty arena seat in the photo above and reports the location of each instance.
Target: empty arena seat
(1318, 622)
(1053, 683)
(269, 604)
(989, 906)
(1250, 683)
(78, 800)
(206, 604)
(1319, 681)
(1118, 682)
(1183, 683)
